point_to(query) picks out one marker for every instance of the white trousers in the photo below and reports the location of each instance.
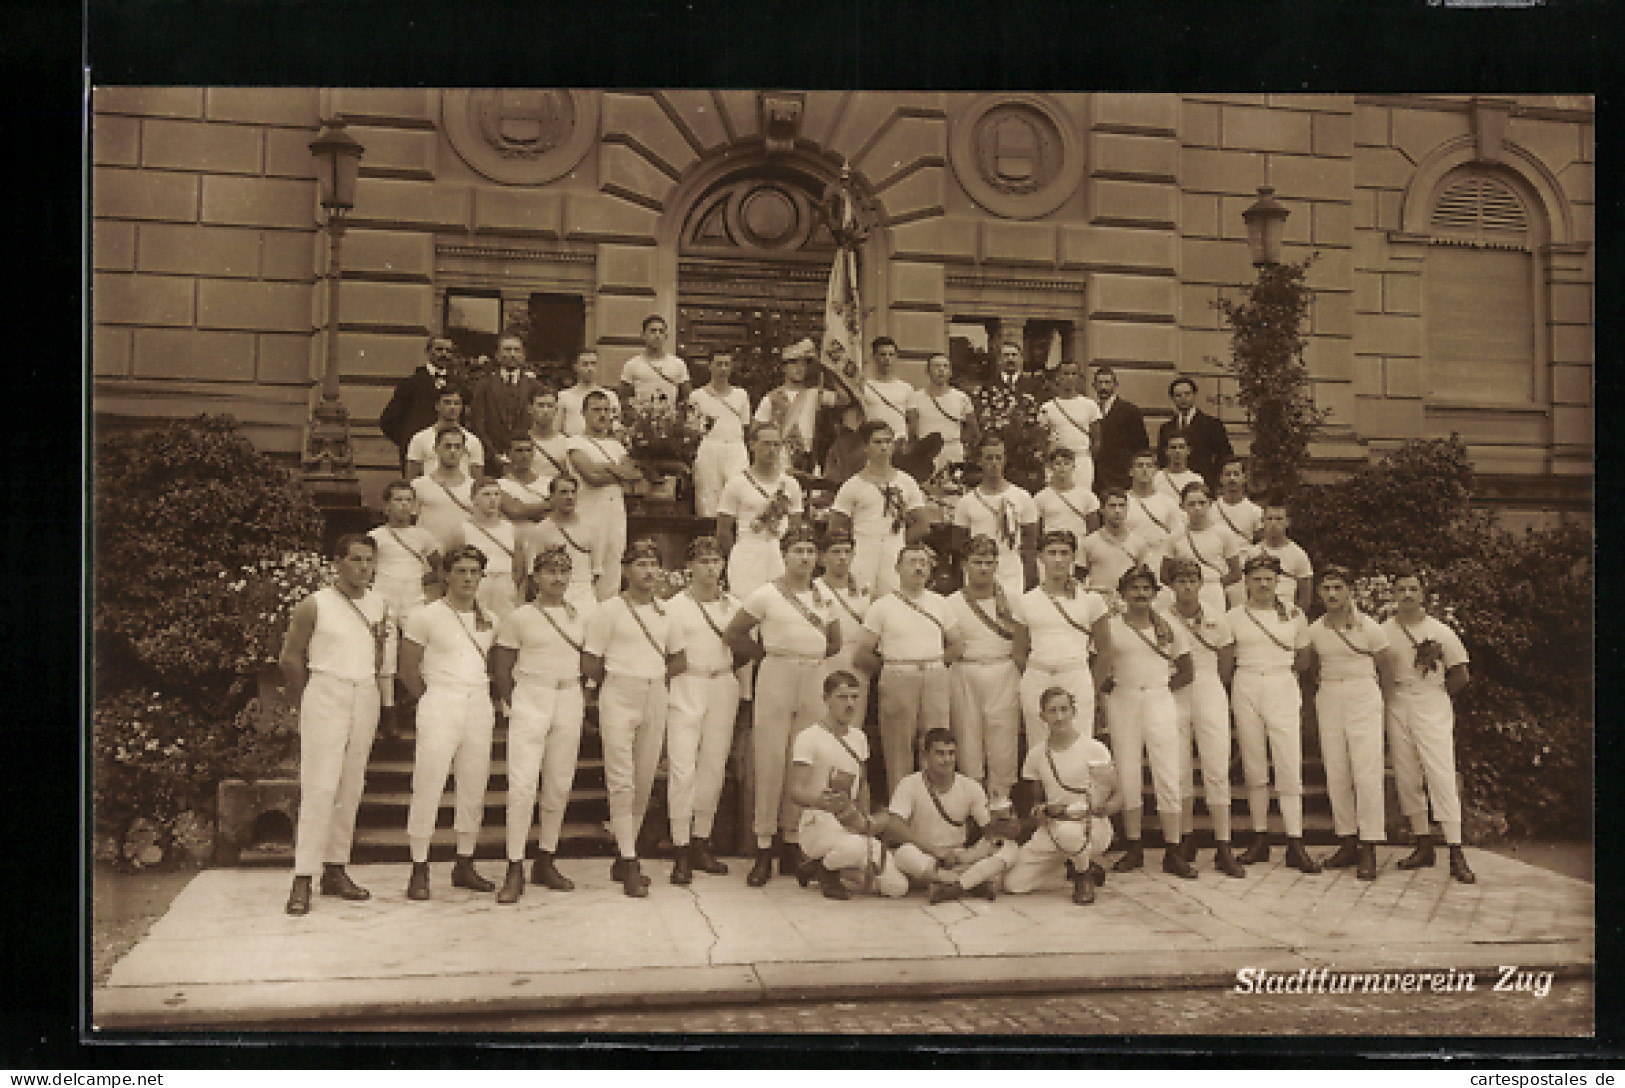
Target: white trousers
(632, 728)
(789, 698)
(1421, 736)
(1266, 708)
(715, 463)
(544, 739)
(912, 700)
(454, 734)
(921, 868)
(1350, 716)
(1041, 861)
(753, 563)
(337, 720)
(1204, 718)
(874, 562)
(1145, 722)
(824, 839)
(607, 518)
(1038, 679)
(984, 705)
(699, 734)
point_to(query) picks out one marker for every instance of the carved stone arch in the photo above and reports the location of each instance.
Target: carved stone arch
(1527, 173)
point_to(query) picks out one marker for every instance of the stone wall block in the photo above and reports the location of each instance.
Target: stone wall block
(1367, 293)
(1367, 375)
(385, 202)
(1571, 385)
(298, 107)
(917, 286)
(935, 238)
(196, 145)
(141, 300)
(637, 118)
(1139, 296)
(627, 269)
(1571, 304)
(1332, 134)
(700, 115)
(299, 255)
(287, 152)
(1018, 243)
(1555, 143)
(1338, 399)
(397, 153)
(393, 253)
(1199, 215)
(1215, 262)
(1401, 293)
(262, 306)
(919, 332)
(1198, 124)
(1332, 314)
(285, 359)
(261, 202)
(1330, 358)
(742, 114)
(1196, 306)
(1573, 425)
(1133, 342)
(205, 251)
(1331, 222)
(1319, 103)
(620, 317)
(379, 355)
(526, 211)
(1247, 129)
(1390, 335)
(399, 306)
(149, 101)
(1156, 113)
(112, 246)
(1202, 350)
(1302, 178)
(1417, 132)
(1133, 203)
(1119, 247)
(1573, 344)
(417, 107)
(110, 352)
(114, 140)
(1579, 182)
(1382, 168)
(1221, 171)
(606, 217)
(194, 353)
(140, 194)
(920, 195)
(626, 173)
(907, 144)
(1115, 154)
(1370, 126)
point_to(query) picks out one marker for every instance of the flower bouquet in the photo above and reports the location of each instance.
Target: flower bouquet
(659, 432)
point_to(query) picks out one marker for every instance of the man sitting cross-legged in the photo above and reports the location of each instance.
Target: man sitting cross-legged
(936, 804)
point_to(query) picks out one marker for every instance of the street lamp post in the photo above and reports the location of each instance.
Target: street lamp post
(1266, 223)
(329, 462)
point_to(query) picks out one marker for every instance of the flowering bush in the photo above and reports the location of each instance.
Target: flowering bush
(263, 597)
(658, 430)
(1014, 417)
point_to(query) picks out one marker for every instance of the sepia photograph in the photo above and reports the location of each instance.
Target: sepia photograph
(759, 561)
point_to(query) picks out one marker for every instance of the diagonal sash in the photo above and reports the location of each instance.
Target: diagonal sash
(408, 548)
(645, 627)
(1154, 646)
(1055, 773)
(375, 631)
(872, 388)
(1146, 510)
(931, 792)
(1059, 407)
(531, 490)
(1065, 615)
(467, 509)
(1260, 625)
(992, 623)
(488, 535)
(570, 540)
(850, 611)
(1228, 522)
(1200, 558)
(849, 750)
(564, 469)
(806, 613)
(1357, 649)
(568, 610)
(478, 615)
(1195, 629)
(1079, 514)
(957, 421)
(899, 595)
(1003, 515)
(709, 622)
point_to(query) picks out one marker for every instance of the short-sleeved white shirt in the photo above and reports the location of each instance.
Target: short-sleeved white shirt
(1134, 663)
(728, 414)
(820, 749)
(1255, 650)
(802, 414)
(1155, 518)
(498, 543)
(421, 450)
(744, 497)
(990, 515)
(1207, 633)
(649, 376)
(1338, 661)
(1074, 764)
(454, 647)
(1056, 640)
(528, 493)
(887, 401)
(1108, 558)
(1069, 419)
(1173, 484)
(1067, 511)
(1294, 565)
(1244, 519)
(1212, 549)
(613, 634)
(849, 607)
(945, 415)
(702, 645)
(904, 633)
(571, 403)
(581, 543)
(403, 554)
(865, 503)
(604, 452)
(963, 800)
(552, 459)
(982, 643)
(784, 629)
(442, 509)
(1404, 641)
(544, 653)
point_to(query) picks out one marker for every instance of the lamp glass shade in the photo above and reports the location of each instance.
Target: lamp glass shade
(1266, 225)
(338, 157)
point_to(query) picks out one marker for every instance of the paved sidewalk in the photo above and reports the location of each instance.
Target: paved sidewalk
(227, 955)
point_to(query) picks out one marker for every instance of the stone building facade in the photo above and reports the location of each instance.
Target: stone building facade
(1454, 237)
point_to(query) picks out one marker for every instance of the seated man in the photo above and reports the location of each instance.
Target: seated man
(936, 804)
(827, 779)
(1080, 791)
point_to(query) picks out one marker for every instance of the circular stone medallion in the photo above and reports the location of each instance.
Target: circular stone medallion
(521, 135)
(1016, 155)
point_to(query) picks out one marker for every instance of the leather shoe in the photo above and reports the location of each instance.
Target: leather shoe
(335, 881)
(1347, 854)
(299, 896)
(1298, 858)
(833, 886)
(945, 892)
(1459, 868)
(1258, 851)
(1367, 865)
(1174, 864)
(762, 871)
(1226, 863)
(1097, 873)
(1420, 858)
(1133, 858)
(463, 875)
(987, 889)
(513, 884)
(1083, 890)
(791, 859)
(1187, 848)
(417, 886)
(545, 873)
(704, 860)
(682, 871)
(810, 872)
(633, 882)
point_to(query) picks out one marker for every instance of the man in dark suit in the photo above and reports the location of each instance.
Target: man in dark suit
(1122, 433)
(501, 406)
(1210, 444)
(412, 406)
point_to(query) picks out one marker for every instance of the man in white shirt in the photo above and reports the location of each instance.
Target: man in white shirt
(1272, 646)
(1113, 548)
(605, 470)
(1297, 583)
(486, 529)
(885, 396)
(1058, 626)
(630, 654)
(1074, 419)
(654, 372)
(552, 446)
(1430, 667)
(335, 658)
(935, 807)
(1004, 513)
(1212, 548)
(910, 638)
(536, 663)
(524, 489)
(851, 603)
(984, 699)
(758, 506)
(444, 652)
(882, 507)
(1240, 516)
(573, 401)
(1153, 515)
(1064, 505)
(793, 406)
(420, 451)
(940, 409)
(1175, 475)
(704, 703)
(564, 528)
(445, 493)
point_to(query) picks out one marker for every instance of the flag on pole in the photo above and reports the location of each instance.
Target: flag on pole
(842, 349)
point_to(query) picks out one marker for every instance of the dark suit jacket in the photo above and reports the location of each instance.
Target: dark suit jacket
(1210, 444)
(411, 407)
(1122, 434)
(500, 409)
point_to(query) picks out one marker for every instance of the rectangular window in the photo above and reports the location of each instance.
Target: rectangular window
(1481, 326)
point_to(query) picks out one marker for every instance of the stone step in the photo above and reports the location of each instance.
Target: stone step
(576, 839)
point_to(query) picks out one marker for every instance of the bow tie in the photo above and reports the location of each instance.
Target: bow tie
(434, 371)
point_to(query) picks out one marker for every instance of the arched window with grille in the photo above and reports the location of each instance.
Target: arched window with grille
(1482, 295)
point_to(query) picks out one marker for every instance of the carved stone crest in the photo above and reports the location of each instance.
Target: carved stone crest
(526, 123)
(521, 135)
(1016, 155)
